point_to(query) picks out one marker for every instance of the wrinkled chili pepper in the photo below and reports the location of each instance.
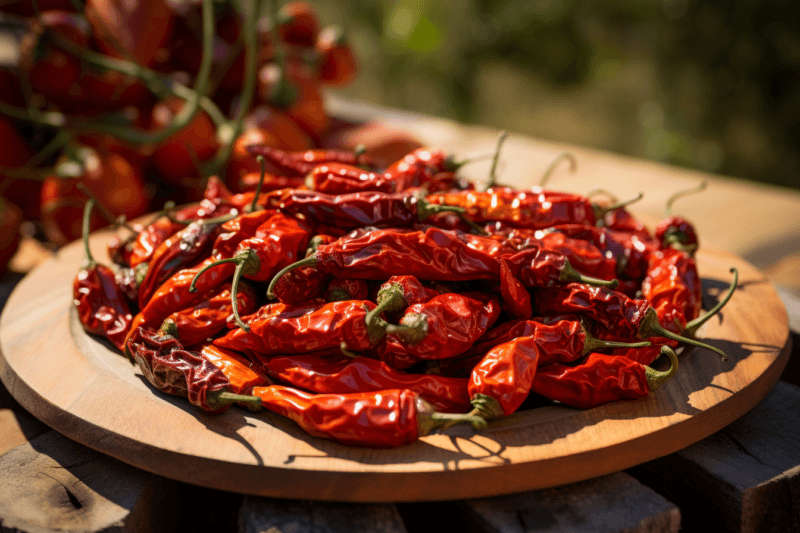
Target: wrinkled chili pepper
(171, 369)
(340, 290)
(675, 231)
(342, 374)
(380, 419)
(302, 163)
(242, 374)
(129, 280)
(444, 326)
(356, 210)
(625, 318)
(537, 266)
(622, 221)
(421, 167)
(601, 379)
(336, 178)
(101, 305)
(303, 284)
(672, 287)
(204, 320)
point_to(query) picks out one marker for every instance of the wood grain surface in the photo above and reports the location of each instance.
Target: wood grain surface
(83, 388)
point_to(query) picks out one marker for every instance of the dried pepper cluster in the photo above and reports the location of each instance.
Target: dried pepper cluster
(374, 306)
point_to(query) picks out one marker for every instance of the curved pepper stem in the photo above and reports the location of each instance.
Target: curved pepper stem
(263, 163)
(600, 211)
(563, 156)
(656, 378)
(429, 419)
(486, 407)
(247, 264)
(694, 325)
(221, 398)
(493, 172)
(390, 299)
(568, 273)
(602, 192)
(87, 216)
(426, 209)
(681, 194)
(452, 163)
(346, 351)
(592, 343)
(651, 328)
(168, 329)
(310, 261)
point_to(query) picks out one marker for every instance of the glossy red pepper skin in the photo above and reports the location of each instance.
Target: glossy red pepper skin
(281, 329)
(301, 285)
(234, 231)
(342, 374)
(200, 322)
(339, 290)
(453, 323)
(432, 254)
(173, 370)
(101, 305)
(298, 164)
(337, 178)
(419, 168)
(673, 288)
(621, 220)
(537, 266)
(414, 292)
(277, 243)
(676, 224)
(177, 251)
(249, 182)
(524, 209)
(242, 375)
(617, 313)
(599, 380)
(383, 419)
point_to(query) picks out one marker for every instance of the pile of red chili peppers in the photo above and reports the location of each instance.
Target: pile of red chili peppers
(373, 306)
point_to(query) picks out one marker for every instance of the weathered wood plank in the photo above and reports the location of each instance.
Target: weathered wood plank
(262, 515)
(54, 484)
(745, 478)
(610, 503)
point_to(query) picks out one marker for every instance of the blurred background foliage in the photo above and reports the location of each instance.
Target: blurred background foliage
(709, 85)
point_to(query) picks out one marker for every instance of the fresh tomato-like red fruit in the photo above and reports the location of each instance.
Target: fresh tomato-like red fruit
(294, 90)
(15, 153)
(290, 136)
(337, 62)
(139, 27)
(298, 24)
(10, 220)
(113, 180)
(176, 159)
(241, 161)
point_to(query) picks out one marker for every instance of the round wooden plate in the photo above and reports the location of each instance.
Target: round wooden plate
(83, 388)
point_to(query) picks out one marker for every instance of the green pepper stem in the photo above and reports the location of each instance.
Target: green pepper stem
(219, 398)
(680, 194)
(568, 273)
(692, 327)
(592, 343)
(563, 156)
(192, 287)
(495, 159)
(486, 407)
(426, 209)
(87, 212)
(310, 261)
(428, 419)
(237, 275)
(346, 351)
(263, 163)
(169, 329)
(389, 299)
(656, 378)
(602, 192)
(651, 328)
(600, 211)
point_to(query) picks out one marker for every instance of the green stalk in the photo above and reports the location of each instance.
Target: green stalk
(493, 172)
(600, 211)
(563, 156)
(568, 273)
(89, 262)
(694, 325)
(308, 261)
(683, 193)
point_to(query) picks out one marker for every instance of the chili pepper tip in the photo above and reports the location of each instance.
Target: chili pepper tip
(656, 378)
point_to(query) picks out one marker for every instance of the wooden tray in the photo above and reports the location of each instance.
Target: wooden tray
(83, 388)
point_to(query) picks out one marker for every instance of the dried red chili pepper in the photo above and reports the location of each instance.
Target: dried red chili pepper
(100, 303)
(338, 178)
(293, 164)
(129, 280)
(356, 210)
(537, 266)
(251, 180)
(303, 284)
(623, 317)
(672, 286)
(675, 231)
(342, 374)
(382, 419)
(242, 375)
(340, 290)
(420, 167)
(622, 221)
(444, 326)
(171, 369)
(601, 379)
(204, 320)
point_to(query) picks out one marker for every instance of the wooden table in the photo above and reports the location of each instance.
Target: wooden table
(743, 478)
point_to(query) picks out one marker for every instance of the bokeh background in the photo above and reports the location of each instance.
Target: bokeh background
(708, 85)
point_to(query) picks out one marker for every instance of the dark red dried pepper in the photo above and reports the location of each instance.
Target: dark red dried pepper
(340, 290)
(302, 163)
(337, 178)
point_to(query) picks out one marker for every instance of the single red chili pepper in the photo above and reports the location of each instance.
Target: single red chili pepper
(177, 251)
(400, 292)
(672, 286)
(292, 164)
(101, 305)
(242, 374)
(337, 62)
(338, 178)
(537, 266)
(171, 369)
(303, 284)
(420, 167)
(236, 230)
(675, 231)
(622, 221)
(204, 320)
(297, 23)
(601, 379)
(340, 290)
(562, 339)
(356, 210)
(342, 374)
(381, 419)
(623, 317)
(443, 327)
